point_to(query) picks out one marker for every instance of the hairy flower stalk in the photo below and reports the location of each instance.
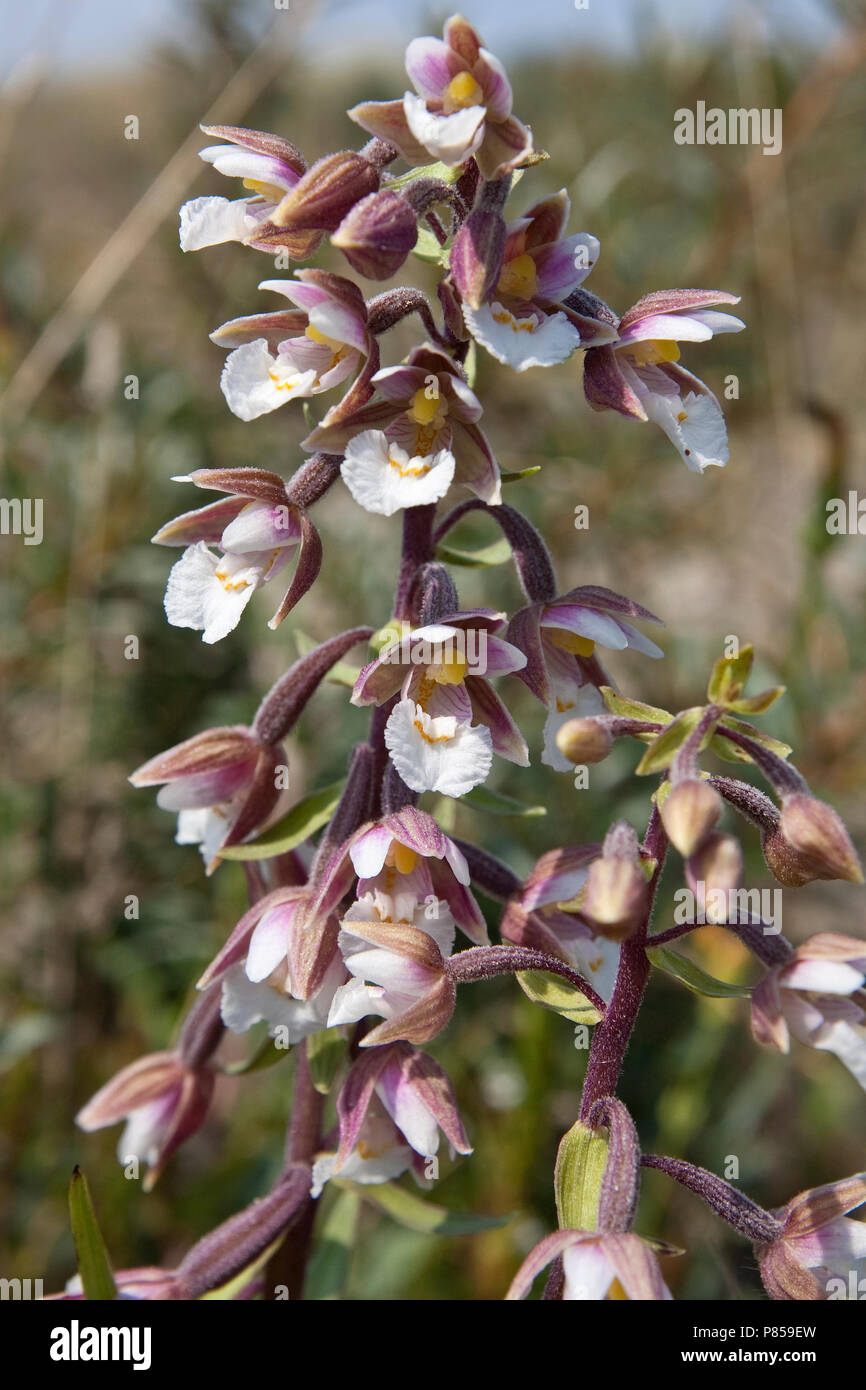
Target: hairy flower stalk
(348, 952)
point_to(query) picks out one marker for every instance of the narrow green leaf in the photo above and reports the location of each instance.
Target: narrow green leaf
(443, 173)
(732, 754)
(470, 364)
(729, 676)
(325, 1052)
(416, 1214)
(757, 704)
(427, 249)
(665, 745)
(93, 1262)
(580, 1164)
(495, 804)
(692, 976)
(291, 830)
(558, 995)
(335, 1240)
(226, 1292)
(633, 709)
(518, 475)
(495, 554)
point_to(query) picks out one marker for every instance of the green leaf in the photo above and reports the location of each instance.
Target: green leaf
(692, 976)
(335, 1240)
(556, 994)
(230, 1290)
(495, 554)
(302, 821)
(733, 754)
(470, 364)
(757, 704)
(495, 804)
(415, 1214)
(633, 709)
(442, 172)
(729, 676)
(521, 473)
(93, 1263)
(667, 744)
(580, 1164)
(325, 1052)
(427, 249)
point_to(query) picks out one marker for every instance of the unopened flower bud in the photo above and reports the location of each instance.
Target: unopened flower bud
(584, 741)
(689, 813)
(329, 188)
(615, 899)
(810, 842)
(476, 256)
(714, 871)
(377, 234)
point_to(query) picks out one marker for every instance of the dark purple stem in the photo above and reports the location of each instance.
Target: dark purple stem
(612, 1035)
(288, 1265)
(417, 551)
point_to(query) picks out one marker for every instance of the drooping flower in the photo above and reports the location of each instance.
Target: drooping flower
(441, 672)
(819, 1242)
(222, 783)
(270, 167)
(639, 375)
(559, 640)
(281, 964)
(394, 947)
(595, 1266)
(296, 353)
(818, 995)
(163, 1100)
(258, 532)
(391, 1109)
(407, 449)
(461, 106)
(523, 325)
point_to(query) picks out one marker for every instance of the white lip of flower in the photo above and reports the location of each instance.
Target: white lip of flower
(383, 478)
(450, 138)
(208, 592)
(437, 754)
(204, 826)
(818, 1012)
(245, 1002)
(694, 423)
(539, 340)
(380, 1155)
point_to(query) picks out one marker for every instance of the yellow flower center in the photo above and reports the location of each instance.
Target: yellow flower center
(424, 408)
(402, 857)
(334, 344)
(450, 671)
(518, 278)
(271, 192)
(654, 350)
(462, 91)
(571, 642)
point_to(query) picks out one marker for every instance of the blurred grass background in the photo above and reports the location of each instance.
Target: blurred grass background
(742, 551)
